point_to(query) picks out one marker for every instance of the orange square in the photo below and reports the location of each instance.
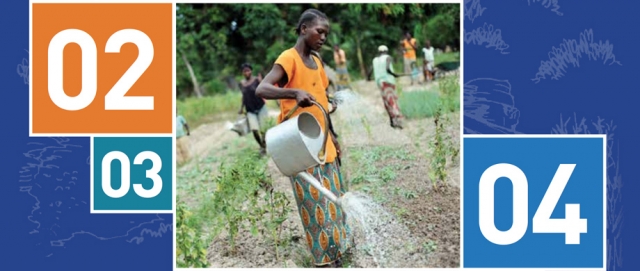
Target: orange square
(88, 69)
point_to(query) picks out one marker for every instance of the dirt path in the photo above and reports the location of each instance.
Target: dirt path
(363, 125)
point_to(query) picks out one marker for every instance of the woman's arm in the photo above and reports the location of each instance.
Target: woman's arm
(267, 89)
(241, 107)
(389, 68)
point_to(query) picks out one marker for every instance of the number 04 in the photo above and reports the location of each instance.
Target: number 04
(572, 225)
(115, 98)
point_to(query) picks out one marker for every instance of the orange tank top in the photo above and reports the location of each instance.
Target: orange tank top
(313, 81)
(410, 53)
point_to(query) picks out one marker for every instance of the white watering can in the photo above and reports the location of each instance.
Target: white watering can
(298, 144)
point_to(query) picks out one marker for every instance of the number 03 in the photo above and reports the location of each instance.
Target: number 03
(115, 98)
(125, 174)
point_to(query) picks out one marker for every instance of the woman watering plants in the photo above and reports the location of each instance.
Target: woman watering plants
(298, 78)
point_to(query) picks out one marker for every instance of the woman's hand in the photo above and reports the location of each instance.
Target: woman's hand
(304, 99)
(333, 105)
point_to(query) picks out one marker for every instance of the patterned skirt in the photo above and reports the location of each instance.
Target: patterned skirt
(390, 99)
(324, 223)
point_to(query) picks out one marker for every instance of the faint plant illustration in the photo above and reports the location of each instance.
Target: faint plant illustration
(57, 200)
(488, 36)
(23, 69)
(571, 51)
(474, 10)
(553, 4)
(489, 107)
(614, 180)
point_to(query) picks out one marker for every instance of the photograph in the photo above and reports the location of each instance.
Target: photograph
(318, 135)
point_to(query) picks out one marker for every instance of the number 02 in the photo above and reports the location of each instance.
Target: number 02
(115, 98)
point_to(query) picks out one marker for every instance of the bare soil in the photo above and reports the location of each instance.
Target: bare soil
(432, 215)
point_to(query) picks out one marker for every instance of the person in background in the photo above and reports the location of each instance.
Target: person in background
(385, 78)
(298, 78)
(415, 72)
(182, 145)
(429, 60)
(341, 67)
(409, 47)
(256, 110)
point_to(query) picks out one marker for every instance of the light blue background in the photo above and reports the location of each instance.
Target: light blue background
(131, 146)
(539, 159)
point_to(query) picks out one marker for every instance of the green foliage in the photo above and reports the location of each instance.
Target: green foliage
(268, 124)
(418, 104)
(430, 246)
(450, 91)
(235, 199)
(363, 161)
(191, 250)
(441, 27)
(216, 50)
(367, 126)
(437, 166)
(441, 143)
(447, 57)
(195, 110)
(278, 210)
(242, 186)
(214, 86)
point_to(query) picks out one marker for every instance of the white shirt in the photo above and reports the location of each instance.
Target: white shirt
(428, 54)
(380, 70)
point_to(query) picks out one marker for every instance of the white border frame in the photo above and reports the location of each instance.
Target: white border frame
(174, 173)
(461, 136)
(173, 136)
(91, 136)
(461, 84)
(548, 136)
(173, 50)
(92, 191)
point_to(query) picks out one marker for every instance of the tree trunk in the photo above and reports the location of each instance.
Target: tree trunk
(363, 71)
(194, 80)
(231, 82)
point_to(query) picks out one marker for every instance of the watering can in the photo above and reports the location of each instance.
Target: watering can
(298, 144)
(240, 126)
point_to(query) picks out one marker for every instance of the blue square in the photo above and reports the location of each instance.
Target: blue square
(150, 164)
(538, 158)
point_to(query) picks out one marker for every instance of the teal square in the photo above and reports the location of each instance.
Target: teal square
(159, 147)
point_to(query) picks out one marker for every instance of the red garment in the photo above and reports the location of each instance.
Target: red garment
(390, 99)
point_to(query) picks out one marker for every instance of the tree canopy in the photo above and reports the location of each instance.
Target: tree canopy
(213, 40)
